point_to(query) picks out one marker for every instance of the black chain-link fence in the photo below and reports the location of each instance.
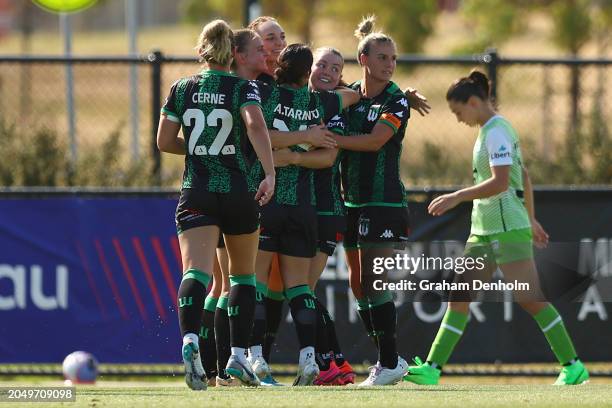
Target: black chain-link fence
(560, 108)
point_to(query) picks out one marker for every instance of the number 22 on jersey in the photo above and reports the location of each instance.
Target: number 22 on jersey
(200, 122)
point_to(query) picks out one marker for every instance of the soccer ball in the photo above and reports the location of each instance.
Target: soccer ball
(80, 367)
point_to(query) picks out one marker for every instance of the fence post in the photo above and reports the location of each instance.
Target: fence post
(156, 58)
(492, 61)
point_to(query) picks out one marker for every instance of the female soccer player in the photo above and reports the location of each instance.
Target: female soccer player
(249, 63)
(503, 228)
(274, 43)
(213, 108)
(289, 225)
(377, 216)
(331, 223)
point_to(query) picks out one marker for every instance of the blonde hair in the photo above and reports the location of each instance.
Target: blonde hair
(215, 43)
(367, 36)
(254, 25)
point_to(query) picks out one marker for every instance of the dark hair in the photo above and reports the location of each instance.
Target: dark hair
(242, 39)
(294, 63)
(476, 84)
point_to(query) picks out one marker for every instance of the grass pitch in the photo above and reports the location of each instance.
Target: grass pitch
(479, 393)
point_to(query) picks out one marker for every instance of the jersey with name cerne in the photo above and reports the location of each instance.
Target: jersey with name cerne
(289, 109)
(373, 178)
(327, 181)
(207, 106)
(498, 145)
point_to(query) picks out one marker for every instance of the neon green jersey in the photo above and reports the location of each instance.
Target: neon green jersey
(498, 145)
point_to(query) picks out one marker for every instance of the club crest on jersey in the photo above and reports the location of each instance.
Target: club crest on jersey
(404, 102)
(373, 113)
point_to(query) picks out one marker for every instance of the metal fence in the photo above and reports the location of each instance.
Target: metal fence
(559, 106)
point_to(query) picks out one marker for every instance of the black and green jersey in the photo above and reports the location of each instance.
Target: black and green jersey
(373, 178)
(288, 109)
(207, 106)
(327, 181)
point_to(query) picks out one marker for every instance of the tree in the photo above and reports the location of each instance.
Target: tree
(409, 22)
(295, 15)
(493, 22)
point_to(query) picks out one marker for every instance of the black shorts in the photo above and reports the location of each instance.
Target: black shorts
(376, 226)
(288, 229)
(331, 231)
(235, 213)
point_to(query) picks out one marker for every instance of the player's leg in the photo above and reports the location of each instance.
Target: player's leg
(274, 301)
(381, 230)
(545, 314)
(302, 304)
(240, 226)
(354, 266)
(222, 330)
(197, 238)
(297, 247)
(197, 255)
(272, 216)
(329, 355)
(208, 347)
(455, 319)
(256, 340)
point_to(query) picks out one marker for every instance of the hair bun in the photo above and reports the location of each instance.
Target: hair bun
(365, 27)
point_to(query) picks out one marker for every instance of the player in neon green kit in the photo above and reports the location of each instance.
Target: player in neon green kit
(503, 227)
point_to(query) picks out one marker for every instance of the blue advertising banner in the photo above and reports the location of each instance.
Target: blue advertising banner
(100, 272)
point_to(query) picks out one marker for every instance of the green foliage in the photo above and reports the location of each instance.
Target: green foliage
(37, 157)
(409, 22)
(573, 24)
(33, 159)
(293, 15)
(493, 21)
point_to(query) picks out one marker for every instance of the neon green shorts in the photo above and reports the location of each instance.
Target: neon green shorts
(505, 247)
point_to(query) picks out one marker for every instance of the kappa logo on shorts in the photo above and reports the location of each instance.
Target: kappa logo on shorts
(364, 226)
(387, 234)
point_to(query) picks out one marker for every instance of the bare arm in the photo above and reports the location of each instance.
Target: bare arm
(540, 236)
(369, 142)
(314, 159)
(497, 183)
(168, 138)
(528, 194)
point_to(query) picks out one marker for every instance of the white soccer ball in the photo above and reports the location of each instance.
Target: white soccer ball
(80, 367)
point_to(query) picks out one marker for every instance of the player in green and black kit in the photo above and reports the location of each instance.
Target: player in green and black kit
(217, 112)
(377, 219)
(289, 224)
(503, 230)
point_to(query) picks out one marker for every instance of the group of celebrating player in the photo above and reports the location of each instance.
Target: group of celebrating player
(282, 161)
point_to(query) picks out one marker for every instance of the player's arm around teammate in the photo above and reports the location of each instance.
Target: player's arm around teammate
(215, 195)
(501, 231)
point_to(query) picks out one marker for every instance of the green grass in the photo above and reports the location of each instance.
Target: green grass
(489, 395)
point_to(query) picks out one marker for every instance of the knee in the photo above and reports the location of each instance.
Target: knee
(461, 307)
(533, 308)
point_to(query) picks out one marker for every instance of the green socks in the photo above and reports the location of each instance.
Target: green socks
(553, 328)
(448, 335)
